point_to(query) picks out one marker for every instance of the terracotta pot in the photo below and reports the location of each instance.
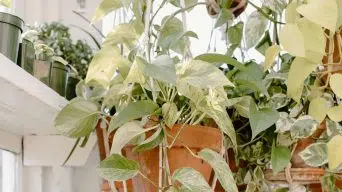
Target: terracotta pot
(296, 160)
(195, 137)
(302, 176)
(237, 7)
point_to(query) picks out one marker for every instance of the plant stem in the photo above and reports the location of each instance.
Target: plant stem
(186, 147)
(160, 170)
(265, 14)
(159, 8)
(88, 21)
(149, 180)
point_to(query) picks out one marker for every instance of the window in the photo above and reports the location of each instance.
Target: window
(8, 172)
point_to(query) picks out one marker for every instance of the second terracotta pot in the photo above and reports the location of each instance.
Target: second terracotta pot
(195, 137)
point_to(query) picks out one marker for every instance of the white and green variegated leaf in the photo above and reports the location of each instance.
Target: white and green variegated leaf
(104, 65)
(336, 84)
(125, 134)
(221, 169)
(284, 123)
(170, 113)
(218, 112)
(318, 109)
(299, 71)
(255, 27)
(191, 179)
(132, 111)
(242, 107)
(202, 75)
(122, 34)
(115, 94)
(335, 152)
(195, 94)
(261, 119)
(335, 113)
(284, 139)
(105, 7)
(77, 119)
(162, 68)
(170, 31)
(303, 127)
(315, 155)
(280, 100)
(153, 141)
(275, 5)
(280, 158)
(333, 128)
(324, 13)
(118, 168)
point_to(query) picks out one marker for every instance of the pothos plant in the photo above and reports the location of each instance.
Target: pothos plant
(292, 100)
(145, 69)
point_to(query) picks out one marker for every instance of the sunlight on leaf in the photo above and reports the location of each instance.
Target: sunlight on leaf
(323, 13)
(318, 109)
(271, 54)
(105, 7)
(335, 152)
(292, 40)
(299, 71)
(336, 84)
(335, 113)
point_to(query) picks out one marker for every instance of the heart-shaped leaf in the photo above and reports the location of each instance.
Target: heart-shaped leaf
(118, 168)
(315, 155)
(261, 119)
(318, 109)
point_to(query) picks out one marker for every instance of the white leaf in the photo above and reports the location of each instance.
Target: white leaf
(336, 84)
(318, 109)
(335, 152)
(292, 40)
(271, 54)
(335, 113)
(255, 27)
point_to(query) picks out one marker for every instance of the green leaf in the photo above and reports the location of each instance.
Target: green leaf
(255, 27)
(118, 168)
(292, 40)
(122, 34)
(335, 152)
(77, 119)
(264, 43)
(299, 71)
(221, 169)
(224, 16)
(125, 134)
(235, 33)
(243, 106)
(318, 109)
(219, 58)
(335, 113)
(280, 158)
(105, 7)
(132, 111)
(6, 3)
(261, 119)
(333, 128)
(323, 13)
(162, 69)
(150, 143)
(336, 84)
(315, 155)
(271, 54)
(202, 75)
(303, 127)
(191, 179)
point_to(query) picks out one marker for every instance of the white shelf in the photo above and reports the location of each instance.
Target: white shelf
(27, 106)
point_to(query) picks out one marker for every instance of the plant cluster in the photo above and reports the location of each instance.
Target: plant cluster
(145, 70)
(57, 36)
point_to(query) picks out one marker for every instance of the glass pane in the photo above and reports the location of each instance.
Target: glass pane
(8, 171)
